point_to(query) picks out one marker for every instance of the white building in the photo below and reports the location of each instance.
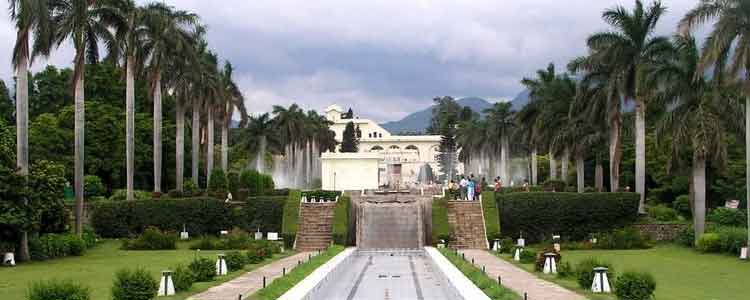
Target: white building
(401, 158)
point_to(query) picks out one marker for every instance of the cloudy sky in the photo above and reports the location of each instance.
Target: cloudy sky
(386, 58)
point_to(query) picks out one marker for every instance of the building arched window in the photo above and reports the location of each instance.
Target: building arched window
(394, 147)
(381, 135)
(376, 148)
(369, 135)
(412, 147)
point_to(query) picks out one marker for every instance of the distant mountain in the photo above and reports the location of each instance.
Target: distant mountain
(419, 121)
(520, 100)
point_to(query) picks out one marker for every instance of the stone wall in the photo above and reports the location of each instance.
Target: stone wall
(661, 232)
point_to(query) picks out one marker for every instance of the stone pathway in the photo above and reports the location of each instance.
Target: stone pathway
(252, 281)
(518, 279)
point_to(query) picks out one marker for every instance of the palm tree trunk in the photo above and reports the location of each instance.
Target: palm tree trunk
(640, 154)
(747, 166)
(130, 124)
(78, 146)
(210, 146)
(552, 167)
(22, 137)
(699, 186)
(580, 172)
(180, 145)
(599, 176)
(196, 131)
(615, 154)
(225, 140)
(565, 161)
(157, 134)
(534, 167)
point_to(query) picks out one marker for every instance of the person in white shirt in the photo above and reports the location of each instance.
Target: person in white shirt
(463, 184)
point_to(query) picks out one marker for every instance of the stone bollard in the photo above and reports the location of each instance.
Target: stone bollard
(517, 254)
(601, 282)
(743, 253)
(496, 245)
(9, 259)
(184, 234)
(550, 266)
(221, 265)
(166, 286)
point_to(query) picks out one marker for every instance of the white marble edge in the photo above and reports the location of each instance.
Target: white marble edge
(466, 289)
(304, 287)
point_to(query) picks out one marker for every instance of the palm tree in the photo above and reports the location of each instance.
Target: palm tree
(696, 118)
(79, 21)
(210, 91)
(527, 123)
(167, 36)
(232, 100)
(628, 48)
(258, 139)
(500, 127)
(530, 116)
(729, 36)
(29, 16)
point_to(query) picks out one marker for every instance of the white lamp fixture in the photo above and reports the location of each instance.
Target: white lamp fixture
(9, 259)
(221, 265)
(601, 282)
(550, 266)
(184, 234)
(496, 245)
(556, 240)
(166, 286)
(517, 255)
(743, 253)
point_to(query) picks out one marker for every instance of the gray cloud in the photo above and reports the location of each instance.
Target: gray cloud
(389, 58)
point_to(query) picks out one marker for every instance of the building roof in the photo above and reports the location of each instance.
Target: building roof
(334, 107)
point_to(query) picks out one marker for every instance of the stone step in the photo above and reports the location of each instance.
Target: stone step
(467, 225)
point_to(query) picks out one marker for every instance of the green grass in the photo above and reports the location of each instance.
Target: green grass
(279, 286)
(291, 213)
(681, 273)
(491, 218)
(439, 220)
(96, 269)
(488, 285)
(341, 220)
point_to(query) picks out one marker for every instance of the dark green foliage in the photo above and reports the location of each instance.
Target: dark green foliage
(255, 183)
(584, 271)
(203, 269)
(57, 290)
(723, 239)
(440, 228)
(7, 108)
(50, 246)
(218, 181)
(349, 141)
(506, 245)
(572, 215)
(93, 186)
(491, 218)
(635, 286)
(151, 239)
(233, 182)
(183, 278)
(553, 186)
(322, 194)
(263, 213)
(291, 215)
(341, 221)
(134, 285)
(527, 256)
(626, 238)
(686, 237)
(236, 260)
(662, 213)
(122, 195)
(727, 217)
(565, 270)
(709, 242)
(682, 206)
(199, 215)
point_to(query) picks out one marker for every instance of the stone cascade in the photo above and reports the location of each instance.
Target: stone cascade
(315, 227)
(466, 222)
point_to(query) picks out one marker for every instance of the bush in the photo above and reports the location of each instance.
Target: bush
(203, 269)
(218, 181)
(291, 214)
(93, 186)
(709, 242)
(491, 218)
(584, 271)
(340, 225)
(506, 245)
(686, 237)
(189, 189)
(233, 183)
(50, 246)
(263, 213)
(682, 206)
(572, 215)
(662, 213)
(257, 184)
(553, 186)
(182, 278)
(236, 260)
(134, 285)
(731, 239)
(199, 215)
(440, 227)
(627, 238)
(527, 256)
(138, 195)
(723, 216)
(151, 239)
(57, 290)
(635, 286)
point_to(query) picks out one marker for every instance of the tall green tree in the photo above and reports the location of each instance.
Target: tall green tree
(349, 140)
(6, 104)
(232, 101)
(727, 48)
(500, 127)
(444, 122)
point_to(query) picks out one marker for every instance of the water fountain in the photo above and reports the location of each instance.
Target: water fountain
(299, 167)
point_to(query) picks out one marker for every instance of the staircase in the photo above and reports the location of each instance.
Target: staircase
(314, 231)
(466, 221)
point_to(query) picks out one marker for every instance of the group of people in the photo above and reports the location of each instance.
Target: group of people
(469, 188)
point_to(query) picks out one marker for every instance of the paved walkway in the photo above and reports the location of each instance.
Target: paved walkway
(518, 279)
(252, 281)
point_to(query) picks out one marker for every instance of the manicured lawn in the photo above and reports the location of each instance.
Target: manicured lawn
(680, 273)
(489, 286)
(97, 267)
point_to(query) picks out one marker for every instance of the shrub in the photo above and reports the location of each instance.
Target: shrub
(52, 245)
(686, 237)
(233, 183)
(57, 290)
(731, 239)
(182, 278)
(440, 227)
(93, 186)
(626, 238)
(122, 195)
(218, 181)
(572, 215)
(635, 286)
(584, 271)
(662, 213)
(491, 218)
(205, 243)
(236, 260)
(527, 256)
(134, 285)
(199, 215)
(341, 221)
(709, 242)
(203, 269)
(151, 239)
(189, 189)
(723, 216)
(263, 213)
(682, 206)
(506, 245)
(553, 185)
(291, 214)
(256, 183)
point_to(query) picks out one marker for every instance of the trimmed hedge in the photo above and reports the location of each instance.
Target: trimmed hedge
(341, 221)
(52, 245)
(491, 218)
(263, 213)
(440, 228)
(574, 216)
(291, 214)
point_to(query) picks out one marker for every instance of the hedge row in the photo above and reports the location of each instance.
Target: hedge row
(440, 228)
(491, 218)
(574, 216)
(341, 221)
(291, 214)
